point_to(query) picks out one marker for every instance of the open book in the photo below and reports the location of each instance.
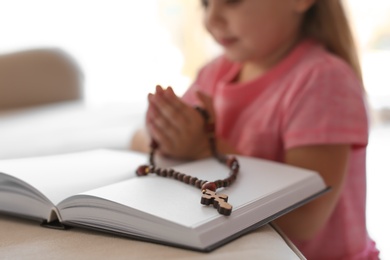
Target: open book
(98, 189)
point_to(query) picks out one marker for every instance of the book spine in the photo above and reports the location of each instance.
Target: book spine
(54, 221)
(55, 224)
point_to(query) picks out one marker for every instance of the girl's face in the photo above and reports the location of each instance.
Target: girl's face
(254, 30)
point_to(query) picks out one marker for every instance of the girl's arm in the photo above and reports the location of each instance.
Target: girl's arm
(331, 162)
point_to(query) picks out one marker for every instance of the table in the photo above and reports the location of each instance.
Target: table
(25, 239)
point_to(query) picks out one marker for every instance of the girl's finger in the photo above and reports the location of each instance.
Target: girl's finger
(177, 117)
(163, 137)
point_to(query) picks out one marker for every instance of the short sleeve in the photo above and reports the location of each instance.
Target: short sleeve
(329, 108)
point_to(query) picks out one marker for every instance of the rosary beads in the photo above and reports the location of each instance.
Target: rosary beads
(209, 195)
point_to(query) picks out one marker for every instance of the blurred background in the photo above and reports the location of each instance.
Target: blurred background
(124, 48)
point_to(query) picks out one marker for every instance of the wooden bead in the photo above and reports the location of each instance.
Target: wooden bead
(153, 144)
(142, 170)
(193, 180)
(218, 183)
(164, 173)
(209, 128)
(198, 183)
(186, 179)
(232, 163)
(209, 186)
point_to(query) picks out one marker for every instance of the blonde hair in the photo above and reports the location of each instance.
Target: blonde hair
(327, 22)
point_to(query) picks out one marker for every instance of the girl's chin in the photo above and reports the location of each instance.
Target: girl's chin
(234, 57)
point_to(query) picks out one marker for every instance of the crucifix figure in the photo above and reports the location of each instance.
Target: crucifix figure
(218, 200)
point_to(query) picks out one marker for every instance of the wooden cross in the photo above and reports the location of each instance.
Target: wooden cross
(218, 200)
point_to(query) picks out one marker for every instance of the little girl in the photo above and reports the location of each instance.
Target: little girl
(288, 88)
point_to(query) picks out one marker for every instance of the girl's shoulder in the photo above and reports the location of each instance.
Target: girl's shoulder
(317, 59)
(319, 70)
(322, 76)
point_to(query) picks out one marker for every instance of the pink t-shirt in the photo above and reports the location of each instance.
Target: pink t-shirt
(311, 97)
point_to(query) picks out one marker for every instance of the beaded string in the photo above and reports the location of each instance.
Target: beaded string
(209, 195)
